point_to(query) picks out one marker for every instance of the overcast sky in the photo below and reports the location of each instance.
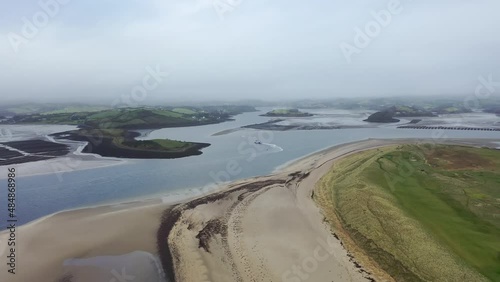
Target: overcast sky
(230, 49)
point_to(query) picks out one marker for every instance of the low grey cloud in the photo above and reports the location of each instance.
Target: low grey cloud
(228, 49)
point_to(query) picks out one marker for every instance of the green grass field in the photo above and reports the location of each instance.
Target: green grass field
(118, 138)
(184, 111)
(280, 111)
(117, 118)
(158, 145)
(421, 212)
(124, 118)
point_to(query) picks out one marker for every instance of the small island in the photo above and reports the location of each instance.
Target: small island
(382, 117)
(286, 113)
(388, 114)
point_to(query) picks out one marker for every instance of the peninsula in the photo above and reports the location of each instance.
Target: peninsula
(112, 132)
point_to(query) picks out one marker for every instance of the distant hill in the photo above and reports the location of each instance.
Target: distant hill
(134, 118)
(48, 108)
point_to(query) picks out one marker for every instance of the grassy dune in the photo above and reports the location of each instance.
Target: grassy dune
(419, 212)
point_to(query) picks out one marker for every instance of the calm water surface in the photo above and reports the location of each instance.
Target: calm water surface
(230, 157)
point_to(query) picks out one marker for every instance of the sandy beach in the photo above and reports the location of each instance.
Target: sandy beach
(259, 229)
(43, 247)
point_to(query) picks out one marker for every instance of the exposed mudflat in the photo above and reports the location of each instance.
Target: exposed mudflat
(16, 152)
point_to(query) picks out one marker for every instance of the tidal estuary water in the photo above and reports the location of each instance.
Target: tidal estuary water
(231, 156)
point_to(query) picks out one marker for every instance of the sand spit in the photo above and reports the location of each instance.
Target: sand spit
(264, 229)
(259, 229)
(268, 228)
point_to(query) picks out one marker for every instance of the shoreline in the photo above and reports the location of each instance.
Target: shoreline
(238, 224)
(194, 233)
(184, 194)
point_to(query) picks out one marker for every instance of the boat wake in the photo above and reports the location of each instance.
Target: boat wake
(274, 148)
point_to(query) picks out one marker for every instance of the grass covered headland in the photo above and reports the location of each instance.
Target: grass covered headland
(419, 212)
(110, 132)
(121, 143)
